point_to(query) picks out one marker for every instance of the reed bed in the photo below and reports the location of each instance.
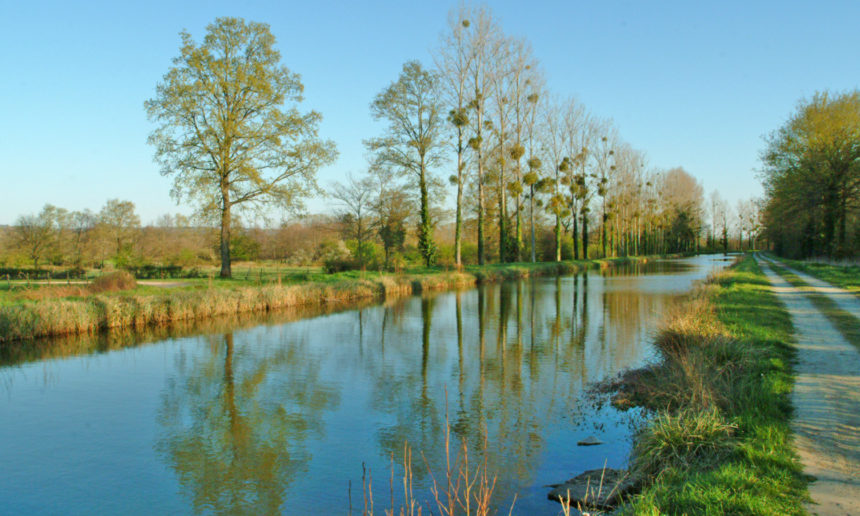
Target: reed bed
(114, 303)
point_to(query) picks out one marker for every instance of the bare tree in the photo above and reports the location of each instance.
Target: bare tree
(576, 124)
(525, 78)
(120, 222)
(554, 145)
(35, 234)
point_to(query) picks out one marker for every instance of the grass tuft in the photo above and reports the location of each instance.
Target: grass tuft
(692, 438)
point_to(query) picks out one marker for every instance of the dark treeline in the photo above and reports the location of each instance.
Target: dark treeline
(811, 176)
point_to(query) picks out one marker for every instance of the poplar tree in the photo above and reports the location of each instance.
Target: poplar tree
(453, 59)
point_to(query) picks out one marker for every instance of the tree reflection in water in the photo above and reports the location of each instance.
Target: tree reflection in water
(512, 359)
(234, 422)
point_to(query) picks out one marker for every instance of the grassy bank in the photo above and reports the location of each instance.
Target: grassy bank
(720, 441)
(67, 310)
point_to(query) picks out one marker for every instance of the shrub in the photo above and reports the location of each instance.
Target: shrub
(112, 282)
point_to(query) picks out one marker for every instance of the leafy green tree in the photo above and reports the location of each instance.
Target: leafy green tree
(412, 142)
(225, 131)
(811, 175)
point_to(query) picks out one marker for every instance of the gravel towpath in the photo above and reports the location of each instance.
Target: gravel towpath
(826, 396)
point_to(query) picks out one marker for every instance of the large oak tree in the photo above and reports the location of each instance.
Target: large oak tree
(229, 131)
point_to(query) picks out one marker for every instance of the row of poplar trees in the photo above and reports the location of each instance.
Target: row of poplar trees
(518, 154)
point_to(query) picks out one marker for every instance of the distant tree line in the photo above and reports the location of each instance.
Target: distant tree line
(811, 177)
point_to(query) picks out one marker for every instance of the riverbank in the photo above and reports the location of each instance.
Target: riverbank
(720, 441)
(148, 306)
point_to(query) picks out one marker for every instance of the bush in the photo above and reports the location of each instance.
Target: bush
(468, 252)
(370, 252)
(113, 282)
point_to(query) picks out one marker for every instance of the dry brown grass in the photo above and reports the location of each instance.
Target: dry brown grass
(112, 282)
(70, 310)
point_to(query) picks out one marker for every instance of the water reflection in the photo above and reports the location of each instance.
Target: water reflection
(280, 416)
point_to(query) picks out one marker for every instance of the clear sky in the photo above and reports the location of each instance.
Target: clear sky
(693, 84)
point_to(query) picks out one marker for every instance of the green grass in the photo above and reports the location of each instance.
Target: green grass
(847, 324)
(843, 276)
(720, 440)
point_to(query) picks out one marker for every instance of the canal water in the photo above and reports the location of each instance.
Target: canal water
(293, 413)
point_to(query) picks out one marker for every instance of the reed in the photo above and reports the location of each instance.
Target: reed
(466, 488)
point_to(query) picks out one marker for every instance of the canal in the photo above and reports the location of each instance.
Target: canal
(283, 413)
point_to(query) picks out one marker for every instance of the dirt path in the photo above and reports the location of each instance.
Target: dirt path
(826, 400)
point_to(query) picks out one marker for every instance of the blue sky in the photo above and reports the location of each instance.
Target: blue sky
(689, 83)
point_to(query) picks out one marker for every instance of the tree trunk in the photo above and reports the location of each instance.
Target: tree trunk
(842, 244)
(425, 238)
(503, 219)
(519, 236)
(480, 212)
(557, 238)
(226, 271)
(585, 236)
(575, 232)
(532, 219)
(603, 232)
(458, 225)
